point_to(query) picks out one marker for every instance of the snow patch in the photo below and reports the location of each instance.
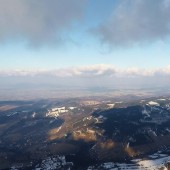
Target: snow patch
(152, 103)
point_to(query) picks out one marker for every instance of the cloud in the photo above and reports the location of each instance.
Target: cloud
(95, 70)
(38, 21)
(135, 22)
(86, 71)
(92, 71)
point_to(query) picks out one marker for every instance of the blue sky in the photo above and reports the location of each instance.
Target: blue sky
(19, 56)
(54, 35)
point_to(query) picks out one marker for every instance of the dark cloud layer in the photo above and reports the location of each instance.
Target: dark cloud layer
(38, 21)
(135, 22)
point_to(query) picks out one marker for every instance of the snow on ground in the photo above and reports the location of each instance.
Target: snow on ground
(111, 105)
(146, 113)
(11, 114)
(72, 108)
(161, 99)
(53, 163)
(55, 112)
(167, 129)
(33, 115)
(154, 162)
(152, 103)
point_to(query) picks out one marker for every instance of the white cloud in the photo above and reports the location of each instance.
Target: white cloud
(91, 71)
(134, 71)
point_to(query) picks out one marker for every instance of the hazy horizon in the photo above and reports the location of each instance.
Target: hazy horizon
(120, 44)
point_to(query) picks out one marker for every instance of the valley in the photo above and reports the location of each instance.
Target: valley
(84, 133)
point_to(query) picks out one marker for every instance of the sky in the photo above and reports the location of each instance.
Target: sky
(101, 40)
